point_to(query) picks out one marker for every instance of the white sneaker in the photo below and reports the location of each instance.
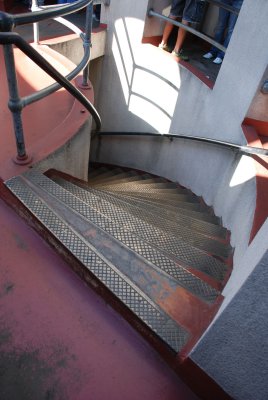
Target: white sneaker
(163, 46)
(208, 55)
(217, 60)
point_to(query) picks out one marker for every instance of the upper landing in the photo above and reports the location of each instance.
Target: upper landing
(45, 131)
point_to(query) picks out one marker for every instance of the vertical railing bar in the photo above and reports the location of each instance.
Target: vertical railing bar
(87, 40)
(15, 103)
(36, 32)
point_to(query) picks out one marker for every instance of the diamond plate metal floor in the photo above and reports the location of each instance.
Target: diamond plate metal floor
(158, 262)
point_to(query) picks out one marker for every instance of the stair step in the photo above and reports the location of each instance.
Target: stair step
(162, 294)
(123, 176)
(134, 185)
(186, 279)
(169, 212)
(130, 218)
(107, 273)
(200, 226)
(97, 171)
(105, 174)
(160, 202)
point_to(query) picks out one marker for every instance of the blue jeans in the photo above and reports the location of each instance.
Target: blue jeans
(225, 26)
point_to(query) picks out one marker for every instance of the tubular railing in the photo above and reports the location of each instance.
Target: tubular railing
(152, 13)
(244, 150)
(9, 38)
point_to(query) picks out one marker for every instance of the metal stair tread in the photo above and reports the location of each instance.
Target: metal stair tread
(200, 226)
(108, 173)
(152, 315)
(169, 212)
(183, 252)
(185, 278)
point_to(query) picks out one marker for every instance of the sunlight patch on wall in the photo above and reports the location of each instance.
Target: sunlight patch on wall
(120, 68)
(126, 53)
(156, 90)
(149, 113)
(244, 172)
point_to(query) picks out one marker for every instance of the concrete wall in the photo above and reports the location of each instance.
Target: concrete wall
(73, 157)
(143, 89)
(235, 351)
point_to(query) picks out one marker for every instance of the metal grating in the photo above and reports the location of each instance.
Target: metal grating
(128, 217)
(184, 278)
(170, 332)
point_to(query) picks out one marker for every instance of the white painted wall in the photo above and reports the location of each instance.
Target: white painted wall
(144, 90)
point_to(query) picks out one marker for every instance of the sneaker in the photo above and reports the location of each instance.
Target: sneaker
(163, 46)
(217, 60)
(208, 55)
(180, 55)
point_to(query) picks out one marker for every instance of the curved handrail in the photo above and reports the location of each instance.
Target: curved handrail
(31, 98)
(15, 38)
(8, 38)
(246, 150)
(8, 21)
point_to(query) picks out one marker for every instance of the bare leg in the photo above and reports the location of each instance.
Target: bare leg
(167, 31)
(180, 37)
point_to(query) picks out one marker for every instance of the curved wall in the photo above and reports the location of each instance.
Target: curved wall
(144, 90)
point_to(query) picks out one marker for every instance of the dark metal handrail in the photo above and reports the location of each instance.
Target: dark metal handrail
(8, 39)
(245, 150)
(29, 18)
(15, 38)
(152, 13)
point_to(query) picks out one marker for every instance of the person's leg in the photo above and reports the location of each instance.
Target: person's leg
(180, 38)
(220, 29)
(167, 31)
(232, 21)
(175, 13)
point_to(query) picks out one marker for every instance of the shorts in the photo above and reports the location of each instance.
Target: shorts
(189, 10)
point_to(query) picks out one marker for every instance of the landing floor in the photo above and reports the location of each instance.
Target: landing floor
(59, 340)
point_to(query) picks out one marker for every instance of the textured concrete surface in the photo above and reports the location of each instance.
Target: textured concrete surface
(59, 340)
(235, 352)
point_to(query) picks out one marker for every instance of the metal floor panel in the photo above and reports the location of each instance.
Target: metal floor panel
(183, 277)
(160, 323)
(128, 217)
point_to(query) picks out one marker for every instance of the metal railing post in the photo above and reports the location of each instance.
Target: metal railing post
(87, 40)
(35, 24)
(15, 104)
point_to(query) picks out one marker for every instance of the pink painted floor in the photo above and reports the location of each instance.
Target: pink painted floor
(59, 339)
